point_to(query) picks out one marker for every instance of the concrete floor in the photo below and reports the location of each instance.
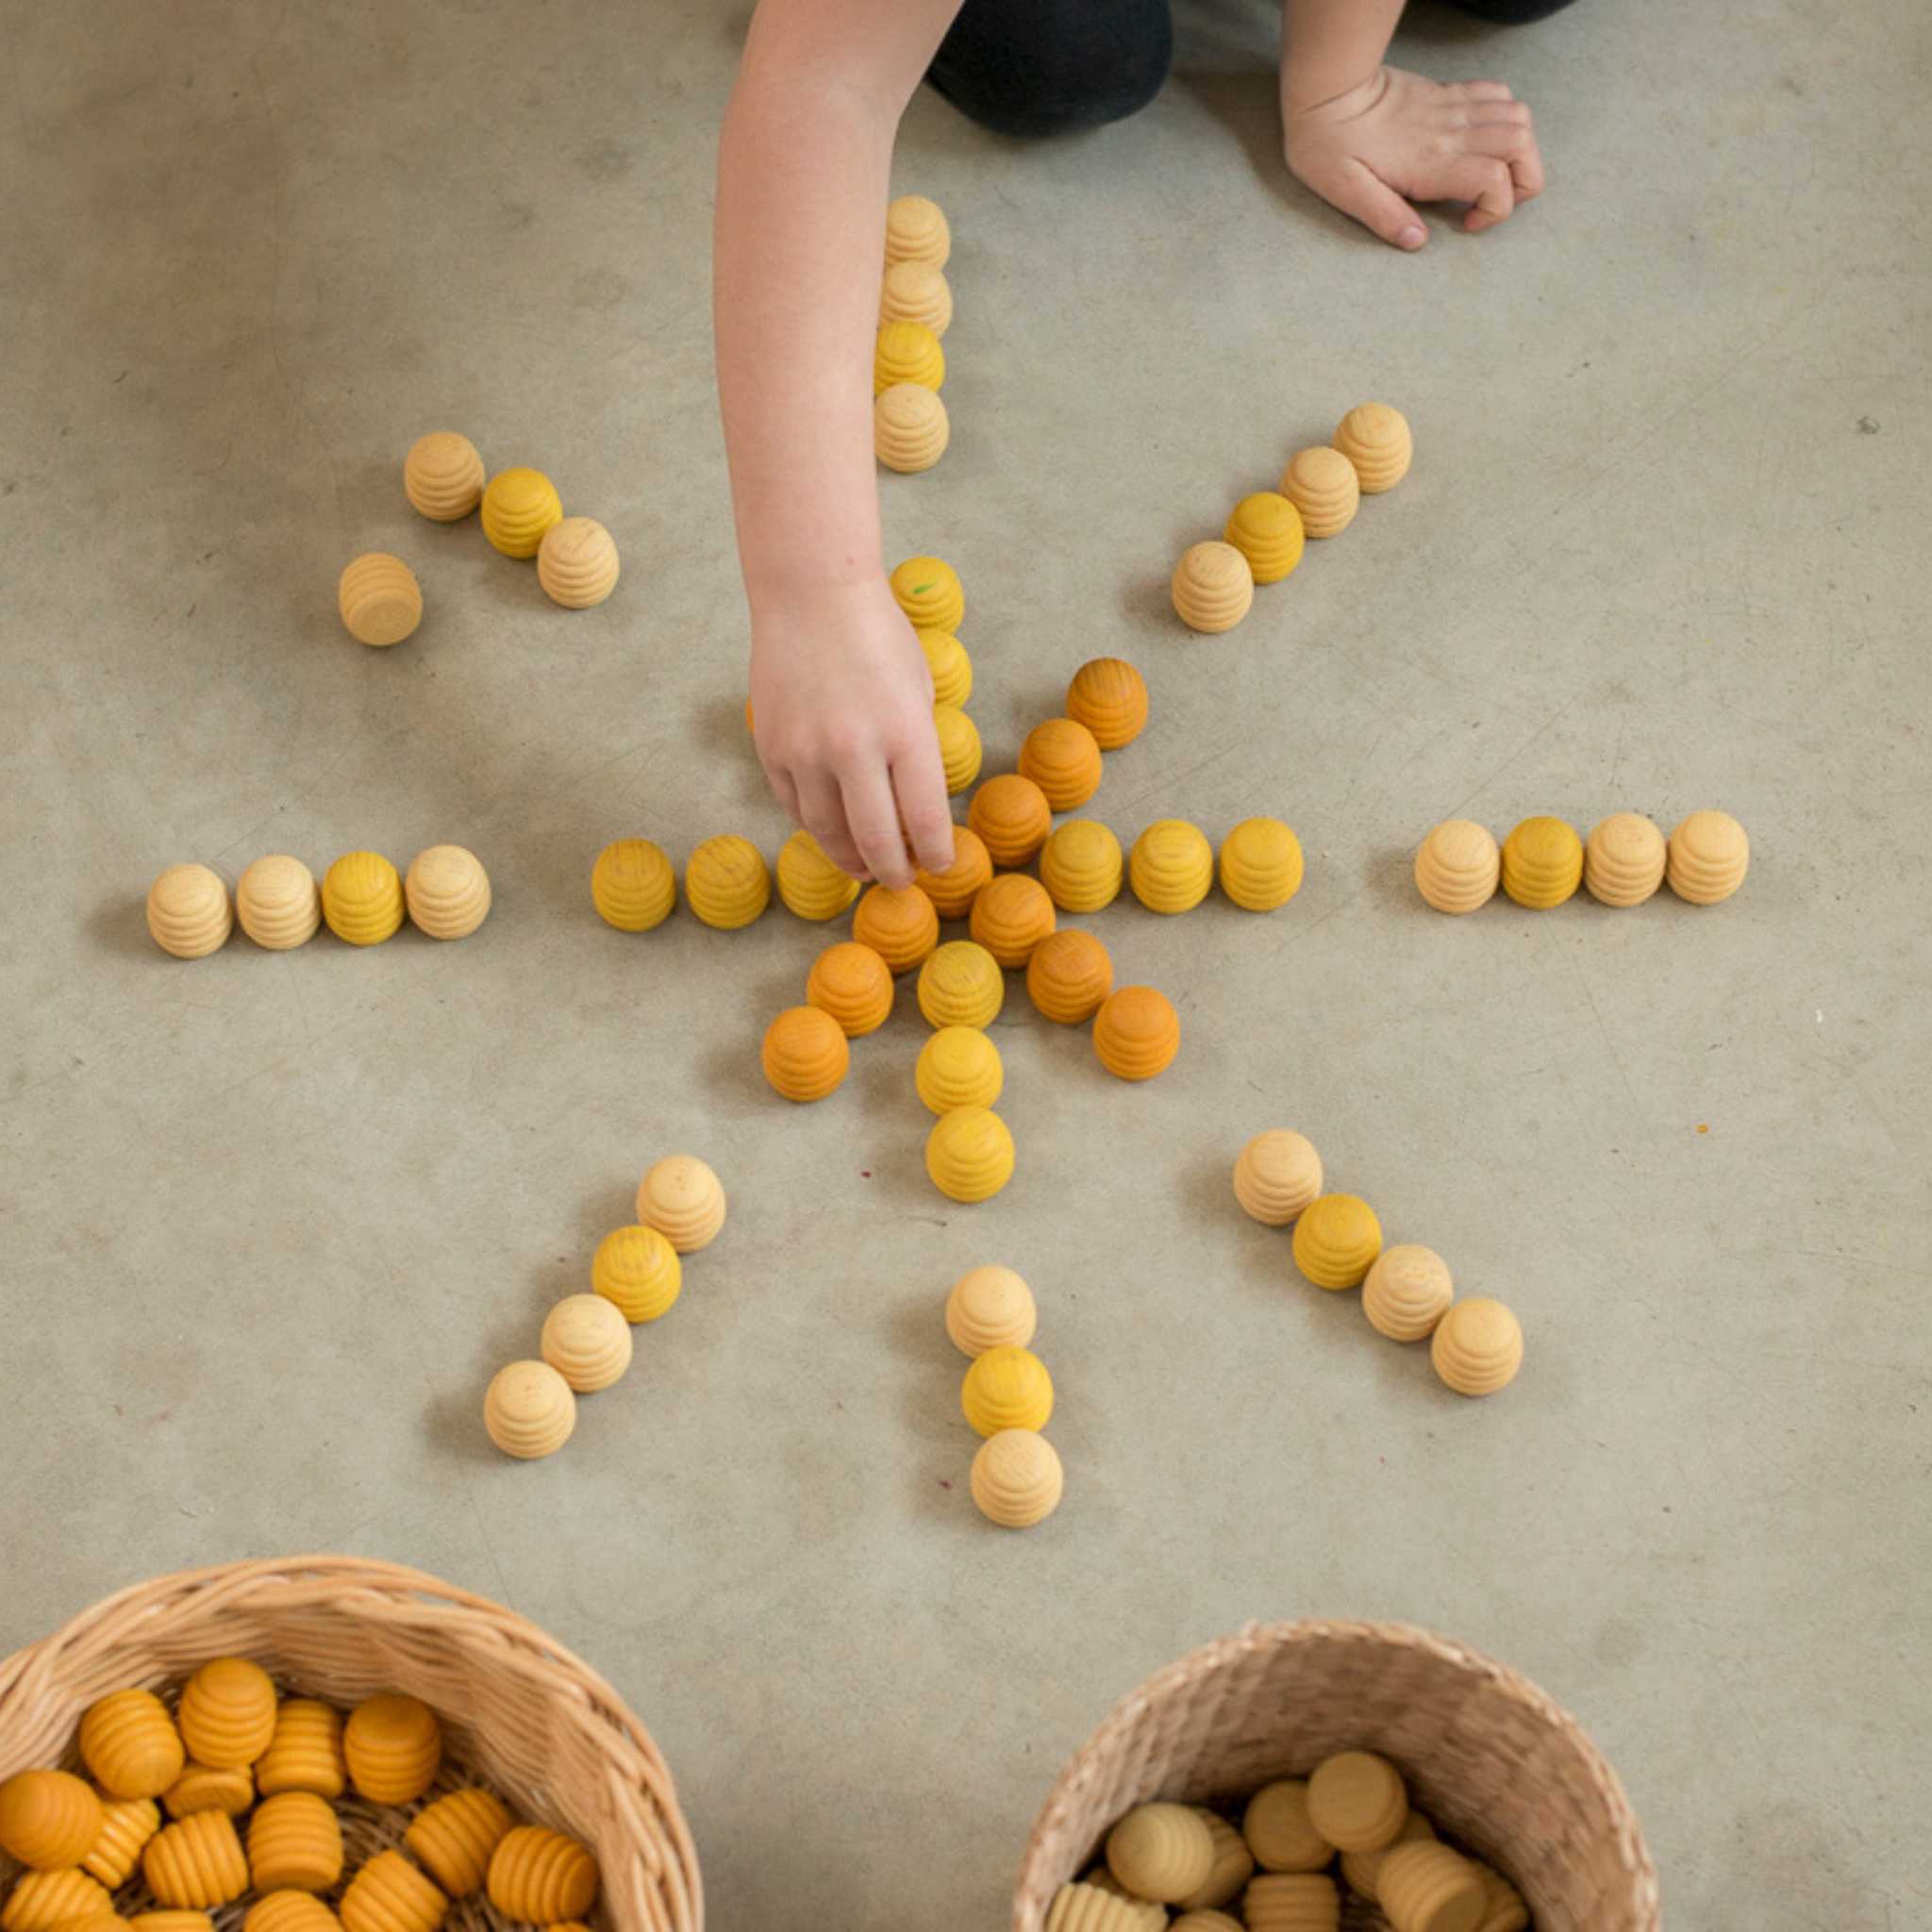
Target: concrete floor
(271, 1221)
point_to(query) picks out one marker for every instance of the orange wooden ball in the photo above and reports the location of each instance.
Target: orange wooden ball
(1068, 975)
(805, 1053)
(1062, 757)
(1010, 917)
(899, 923)
(953, 892)
(1012, 817)
(1137, 1033)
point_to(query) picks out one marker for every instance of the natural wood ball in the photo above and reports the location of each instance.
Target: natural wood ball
(1623, 859)
(1362, 1869)
(447, 891)
(1093, 1906)
(1068, 976)
(541, 1877)
(519, 506)
(453, 1839)
(1280, 1833)
(929, 590)
(684, 1200)
(953, 892)
(1336, 1238)
(1266, 528)
(1377, 441)
(294, 1844)
(1160, 1851)
(727, 882)
(969, 1152)
(898, 922)
(916, 230)
(130, 1746)
(1011, 813)
(49, 1820)
(961, 985)
(1017, 1479)
(1356, 1801)
(1109, 697)
(951, 667)
(906, 352)
(1010, 917)
(909, 425)
(1458, 866)
(576, 563)
(1407, 1292)
(126, 1826)
(587, 1340)
(1477, 1346)
(188, 912)
(1137, 1033)
(916, 291)
(1542, 863)
(1006, 1388)
(227, 1712)
(1321, 484)
(853, 984)
(280, 1911)
(195, 1864)
(805, 1053)
(277, 902)
(55, 1901)
(633, 886)
(637, 1269)
(362, 899)
(1062, 757)
(1291, 1902)
(1425, 1887)
(1171, 867)
(442, 476)
(811, 886)
(958, 1067)
(990, 1307)
(388, 1895)
(306, 1754)
(1212, 587)
(1261, 864)
(1080, 866)
(379, 597)
(1277, 1173)
(1709, 856)
(1234, 1865)
(960, 751)
(392, 1745)
(529, 1410)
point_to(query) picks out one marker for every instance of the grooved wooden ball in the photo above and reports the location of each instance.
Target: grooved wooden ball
(529, 1410)
(1709, 855)
(1377, 443)
(929, 590)
(1137, 1033)
(362, 898)
(1266, 528)
(805, 1053)
(969, 1152)
(1362, 1869)
(295, 1843)
(578, 563)
(1623, 859)
(853, 984)
(1062, 757)
(727, 882)
(442, 476)
(951, 666)
(306, 1754)
(1068, 976)
(1261, 864)
(916, 291)
(210, 1787)
(55, 1901)
(1279, 1831)
(811, 886)
(1356, 1801)
(1321, 484)
(126, 1826)
(227, 1712)
(1477, 1346)
(1275, 1177)
(379, 599)
(990, 1307)
(1542, 863)
(447, 891)
(961, 985)
(1017, 1479)
(953, 892)
(541, 1877)
(1160, 1851)
(898, 922)
(1211, 587)
(1109, 697)
(1006, 1388)
(454, 1839)
(1291, 1902)
(1336, 1238)
(1425, 1887)
(130, 1746)
(917, 230)
(906, 352)
(1010, 916)
(1171, 866)
(958, 1067)
(1458, 866)
(960, 751)
(392, 1744)
(48, 1819)
(388, 1895)
(637, 1269)
(910, 424)
(277, 902)
(188, 912)
(1234, 1865)
(587, 1340)
(195, 1864)
(519, 506)
(1012, 817)
(1081, 867)
(1406, 1292)
(683, 1200)
(633, 886)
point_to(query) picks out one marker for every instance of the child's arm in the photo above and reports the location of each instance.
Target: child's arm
(840, 692)
(1363, 135)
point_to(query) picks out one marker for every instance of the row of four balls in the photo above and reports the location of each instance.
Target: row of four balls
(910, 428)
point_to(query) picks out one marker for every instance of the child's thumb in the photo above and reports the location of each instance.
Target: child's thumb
(1378, 207)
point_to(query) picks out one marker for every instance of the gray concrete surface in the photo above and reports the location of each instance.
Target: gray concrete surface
(271, 1221)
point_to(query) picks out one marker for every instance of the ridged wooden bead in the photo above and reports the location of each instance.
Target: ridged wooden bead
(1623, 859)
(1233, 1866)
(1261, 864)
(1477, 1346)
(906, 352)
(1426, 1887)
(1376, 442)
(1212, 587)
(1160, 1851)
(961, 985)
(519, 506)
(1356, 1801)
(1109, 697)
(1006, 1388)
(633, 886)
(305, 1752)
(294, 1844)
(953, 892)
(969, 1152)
(183, 1921)
(1137, 1033)
(1458, 866)
(1276, 1174)
(810, 884)
(195, 1864)
(1321, 484)
(1068, 976)
(388, 1895)
(1362, 1869)
(447, 891)
(587, 1340)
(916, 291)
(1087, 1906)
(1081, 867)
(1407, 1292)
(1010, 917)
(1336, 1238)
(1709, 855)
(727, 882)
(898, 922)
(577, 564)
(1279, 1831)
(1205, 1919)
(453, 1839)
(1062, 757)
(362, 899)
(916, 230)
(958, 1067)
(637, 1269)
(280, 1912)
(442, 476)
(228, 1787)
(48, 1819)
(1291, 1902)
(960, 751)
(227, 1712)
(1503, 1908)
(188, 912)
(951, 666)
(853, 984)
(1012, 817)
(1542, 863)
(1017, 1479)
(990, 1307)
(392, 1743)
(929, 590)
(805, 1053)
(528, 1411)
(379, 599)
(909, 425)
(278, 902)
(542, 1876)
(130, 1746)
(1266, 528)
(684, 1200)
(1171, 866)
(126, 1826)
(40, 1901)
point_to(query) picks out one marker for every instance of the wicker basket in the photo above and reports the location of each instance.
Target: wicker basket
(520, 1713)
(1487, 1756)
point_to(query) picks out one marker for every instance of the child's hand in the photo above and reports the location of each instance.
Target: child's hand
(841, 700)
(1397, 134)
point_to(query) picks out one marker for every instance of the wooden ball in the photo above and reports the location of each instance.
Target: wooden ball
(1171, 867)
(727, 882)
(53, 1901)
(1097, 1904)
(1234, 1865)
(958, 1068)
(1407, 1292)
(1336, 1238)
(126, 1826)
(916, 230)
(969, 1152)
(586, 1338)
(362, 899)
(953, 891)
(130, 1746)
(1068, 976)
(805, 1053)
(519, 506)
(188, 912)
(961, 985)
(1376, 442)
(1080, 866)
(1012, 817)
(906, 352)
(960, 752)
(280, 1911)
(1137, 1033)
(1006, 1388)
(453, 1839)
(1623, 859)
(990, 1307)
(898, 922)
(388, 1895)
(1109, 697)
(305, 1752)
(1356, 1801)
(916, 291)
(163, 1921)
(951, 667)
(633, 886)
(442, 477)
(1017, 1478)
(909, 425)
(684, 1200)
(853, 984)
(227, 1712)
(811, 886)
(529, 1410)
(929, 590)
(576, 563)
(1277, 1173)
(1212, 587)
(49, 1820)
(1503, 1908)
(1205, 1918)
(447, 891)
(1260, 864)
(1425, 1887)
(1280, 1833)
(637, 1269)
(1321, 484)
(195, 1864)
(1062, 757)
(379, 597)
(1291, 1902)
(1542, 863)
(1477, 1346)
(1362, 1869)
(1160, 1851)
(210, 1787)
(1266, 528)
(294, 1844)
(393, 1745)
(1458, 866)
(1010, 917)
(1709, 854)
(541, 1876)
(278, 903)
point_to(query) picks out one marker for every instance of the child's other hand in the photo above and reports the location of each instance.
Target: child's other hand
(1397, 134)
(841, 700)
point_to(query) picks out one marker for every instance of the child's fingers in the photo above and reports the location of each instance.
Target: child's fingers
(919, 782)
(1513, 141)
(1358, 191)
(822, 811)
(873, 814)
(1482, 91)
(785, 791)
(1483, 183)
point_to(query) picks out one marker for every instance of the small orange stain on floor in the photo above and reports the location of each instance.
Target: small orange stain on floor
(1703, 1128)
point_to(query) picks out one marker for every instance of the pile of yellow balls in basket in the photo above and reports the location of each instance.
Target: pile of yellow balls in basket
(231, 1799)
